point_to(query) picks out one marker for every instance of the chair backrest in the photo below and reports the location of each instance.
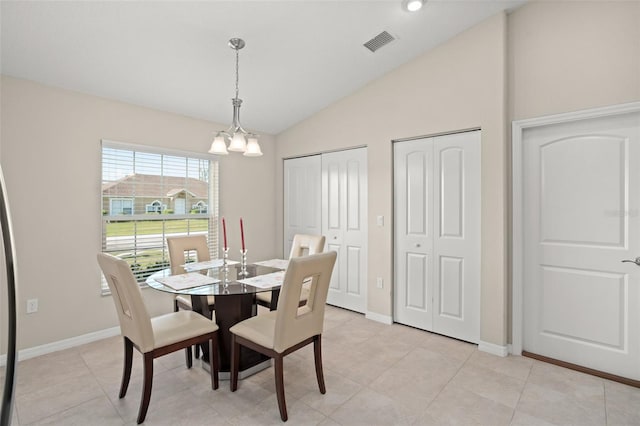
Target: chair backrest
(135, 322)
(178, 246)
(295, 324)
(304, 245)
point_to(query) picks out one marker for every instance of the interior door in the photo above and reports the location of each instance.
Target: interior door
(302, 198)
(437, 234)
(413, 201)
(581, 218)
(344, 224)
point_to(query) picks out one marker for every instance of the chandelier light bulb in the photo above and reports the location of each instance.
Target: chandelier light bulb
(218, 146)
(238, 143)
(253, 148)
(414, 5)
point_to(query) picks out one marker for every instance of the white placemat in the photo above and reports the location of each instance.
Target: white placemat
(273, 279)
(183, 281)
(208, 264)
(274, 263)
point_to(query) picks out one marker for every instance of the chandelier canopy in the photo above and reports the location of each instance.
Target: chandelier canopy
(238, 138)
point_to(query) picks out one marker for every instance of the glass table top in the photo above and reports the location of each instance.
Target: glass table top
(225, 283)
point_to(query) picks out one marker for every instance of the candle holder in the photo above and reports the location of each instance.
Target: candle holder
(225, 266)
(243, 263)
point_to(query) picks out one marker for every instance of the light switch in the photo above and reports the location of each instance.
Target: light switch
(380, 220)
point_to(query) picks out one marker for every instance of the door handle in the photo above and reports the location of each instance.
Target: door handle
(636, 261)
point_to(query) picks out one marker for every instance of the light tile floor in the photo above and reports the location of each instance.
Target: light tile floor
(375, 374)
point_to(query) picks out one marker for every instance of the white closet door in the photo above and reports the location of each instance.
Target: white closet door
(344, 224)
(302, 198)
(456, 243)
(437, 234)
(413, 201)
(581, 186)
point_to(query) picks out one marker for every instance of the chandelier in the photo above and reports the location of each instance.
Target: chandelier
(238, 138)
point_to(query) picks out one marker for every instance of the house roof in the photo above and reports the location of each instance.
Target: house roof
(154, 186)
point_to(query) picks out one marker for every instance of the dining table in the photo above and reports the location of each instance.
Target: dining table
(235, 301)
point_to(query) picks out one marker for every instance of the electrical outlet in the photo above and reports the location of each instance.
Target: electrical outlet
(32, 306)
(379, 282)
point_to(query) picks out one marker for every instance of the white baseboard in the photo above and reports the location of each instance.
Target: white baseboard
(62, 344)
(493, 349)
(385, 319)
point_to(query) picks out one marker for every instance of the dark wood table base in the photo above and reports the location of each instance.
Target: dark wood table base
(230, 310)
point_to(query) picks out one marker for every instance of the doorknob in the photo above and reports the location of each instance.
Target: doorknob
(417, 244)
(636, 261)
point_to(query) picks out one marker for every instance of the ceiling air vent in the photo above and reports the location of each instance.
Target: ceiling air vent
(378, 41)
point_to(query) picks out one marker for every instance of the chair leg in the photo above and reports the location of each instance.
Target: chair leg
(279, 374)
(317, 352)
(213, 360)
(146, 387)
(235, 363)
(126, 371)
(188, 356)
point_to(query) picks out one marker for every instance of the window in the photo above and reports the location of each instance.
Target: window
(155, 207)
(144, 195)
(121, 206)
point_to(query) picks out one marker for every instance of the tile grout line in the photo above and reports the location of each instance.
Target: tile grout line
(526, 380)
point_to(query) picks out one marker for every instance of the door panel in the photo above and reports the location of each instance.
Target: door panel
(302, 198)
(451, 287)
(413, 199)
(344, 195)
(353, 270)
(452, 170)
(571, 186)
(457, 245)
(437, 187)
(581, 213)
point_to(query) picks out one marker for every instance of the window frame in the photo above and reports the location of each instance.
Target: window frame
(212, 213)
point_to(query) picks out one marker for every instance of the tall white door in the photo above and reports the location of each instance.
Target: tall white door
(437, 234)
(581, 206)
(302, 198)
(344, 224)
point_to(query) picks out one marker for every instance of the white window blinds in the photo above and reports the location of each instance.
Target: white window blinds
(149, 194)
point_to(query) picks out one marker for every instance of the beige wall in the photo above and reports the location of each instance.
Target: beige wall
(459, 85)
(51, 158)
(568, 56)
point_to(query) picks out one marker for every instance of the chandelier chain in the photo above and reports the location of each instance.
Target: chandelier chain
(237, 73)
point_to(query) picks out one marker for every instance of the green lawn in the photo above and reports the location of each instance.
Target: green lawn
(120, 229)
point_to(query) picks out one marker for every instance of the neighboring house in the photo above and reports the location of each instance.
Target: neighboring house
(140, 194)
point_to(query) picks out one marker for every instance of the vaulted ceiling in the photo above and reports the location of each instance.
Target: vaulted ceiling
(300, 55)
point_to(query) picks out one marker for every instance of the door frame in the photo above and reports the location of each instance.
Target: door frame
(517, 231)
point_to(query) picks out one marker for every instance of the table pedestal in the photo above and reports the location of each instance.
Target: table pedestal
(230, 310)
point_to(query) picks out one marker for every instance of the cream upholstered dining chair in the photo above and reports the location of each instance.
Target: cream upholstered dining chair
(153, 337)
(290, 327)
(180, 250)
(302, 245)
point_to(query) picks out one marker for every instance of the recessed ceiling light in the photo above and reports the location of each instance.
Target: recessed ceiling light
(413, 5)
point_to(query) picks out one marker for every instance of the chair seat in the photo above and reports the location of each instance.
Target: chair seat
(186, 300)
(179, 326)
(259, 329)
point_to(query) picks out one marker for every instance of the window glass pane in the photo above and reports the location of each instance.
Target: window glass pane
(147, 196)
